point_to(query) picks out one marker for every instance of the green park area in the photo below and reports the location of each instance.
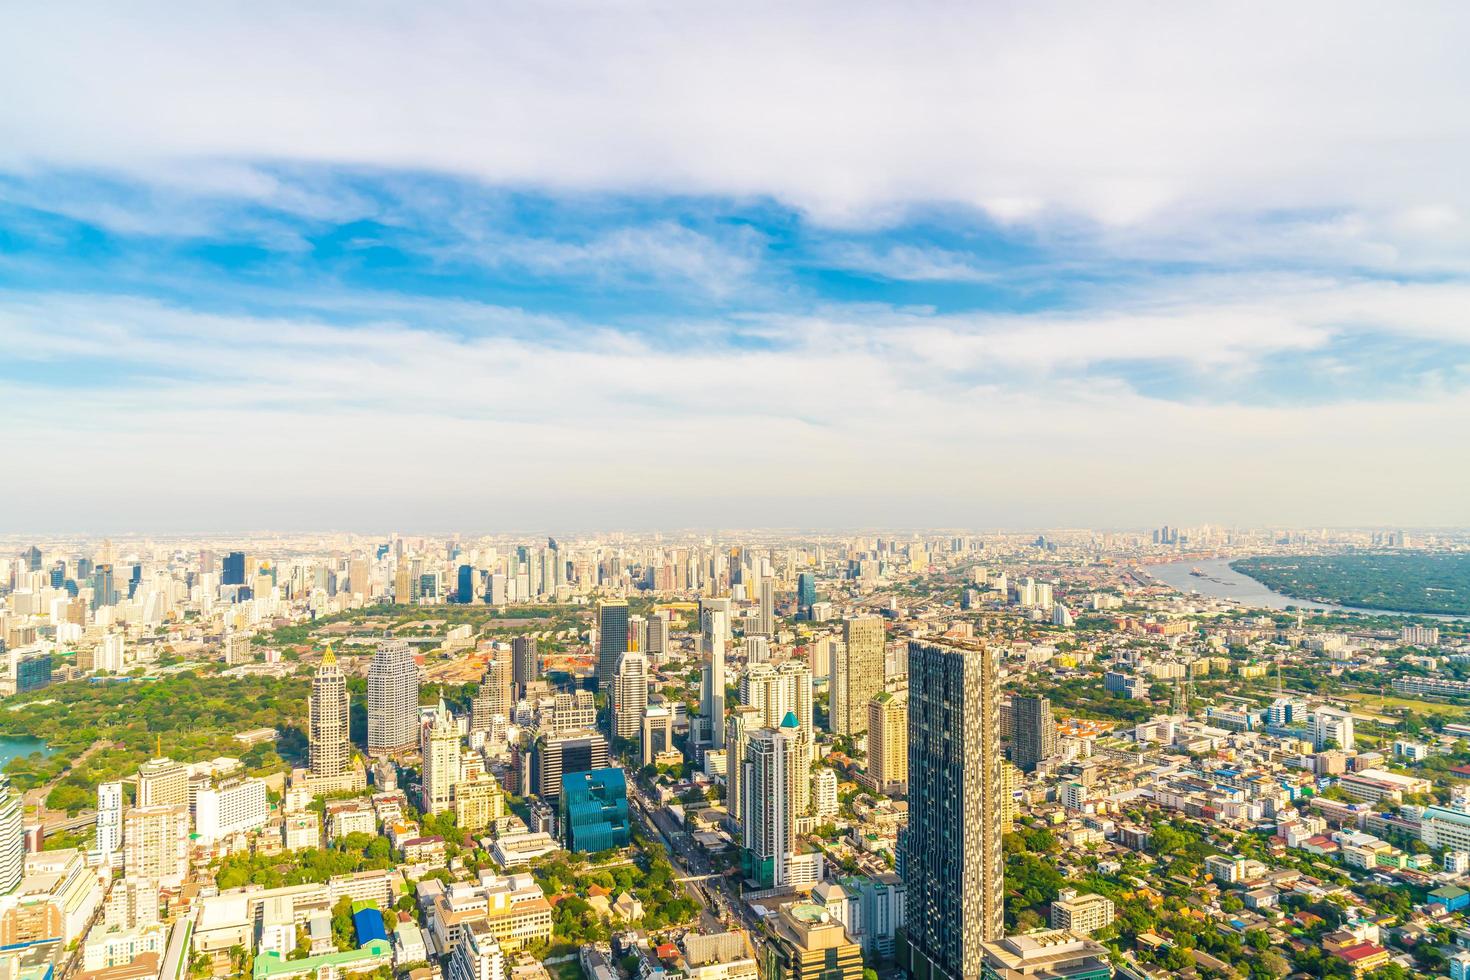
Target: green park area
(1408, 581)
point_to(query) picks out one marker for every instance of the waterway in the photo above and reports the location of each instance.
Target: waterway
(1220, 581)
(13, 747)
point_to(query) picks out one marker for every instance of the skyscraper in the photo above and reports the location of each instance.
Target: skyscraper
(104, 587)
(806, 592)
(712, 681)
(439, 749)
(742, 722)
(329, 745)
(857, 673)
(526, 668)
(233, 572)
(950, 853)
(1035, 731)
(496, 695)
(657, 648)
(612, 639)
(109, 819)
(629, 695)
(12, 837)
(888, 743)
(393, 699)
(769, 787)
(465, 585)
(766, 625)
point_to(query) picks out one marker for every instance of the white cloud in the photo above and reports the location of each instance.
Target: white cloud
(1125, 113)
(859, 417)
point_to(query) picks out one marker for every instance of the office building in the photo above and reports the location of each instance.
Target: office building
(714, 635)
(559, 755)
(1034, 737)
(109, 819)
(888, 743)
(950, 852)
(594, 809)
(393, 699)
(12, 837)
(742, 722)
(526, 669)
(329, 746)
(612, 639)
(574, 711)
(233, 570)
(807, 943)
(766, 617)
(806, 593)
(657, 648)
(658, 735)
(857, 673)
(629, 696)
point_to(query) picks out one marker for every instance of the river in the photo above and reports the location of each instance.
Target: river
(1223, 582)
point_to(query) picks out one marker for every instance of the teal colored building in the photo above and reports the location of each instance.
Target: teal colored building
(594, 809)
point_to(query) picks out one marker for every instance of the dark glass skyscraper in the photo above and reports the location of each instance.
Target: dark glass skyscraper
(950, 854)
(806, 591)
(1034, 735)
(612, 639)
(234, 569)
(465, 593)
(104, 588)
(524, 667)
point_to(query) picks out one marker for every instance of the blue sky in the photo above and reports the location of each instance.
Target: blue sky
(479, 267)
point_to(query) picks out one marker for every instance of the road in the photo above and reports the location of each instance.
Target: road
(721, 907)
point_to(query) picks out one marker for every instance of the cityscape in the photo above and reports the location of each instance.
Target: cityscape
(635, 490)
(733, 755)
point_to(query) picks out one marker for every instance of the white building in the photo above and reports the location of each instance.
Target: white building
(109, 820)
(234, 807)
(824, 793)
(1330, 725)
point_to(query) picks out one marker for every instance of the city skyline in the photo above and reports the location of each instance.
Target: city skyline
(1022, 247)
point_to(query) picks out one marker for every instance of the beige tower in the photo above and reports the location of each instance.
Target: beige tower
(888, 743)
(857, 673)
(330, 748)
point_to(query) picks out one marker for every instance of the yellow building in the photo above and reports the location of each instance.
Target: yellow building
(808, 944)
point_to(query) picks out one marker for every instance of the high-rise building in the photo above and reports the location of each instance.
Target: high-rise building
(712, 678)
(857, 673)
(1332, 727)
(950, 852)
(1034, 731)
(657, 649)
(805, 942)
(742, 722)
(555, 756)
(234, 806)
(12, 837)
(104, 586)
(806, 592)
(233, 572)
(439, 750)
(612, 639)
(629, 695)
(769, 786)
(329, 745)
(593, 809)
(573, 711)
(478, 799)
(464, 591)
(658, 734)
(527, 670)
(496, 695)
(392, 699)
(888, 743)
(766, 621)
(162, 782)
(156, 843)
(109, 819)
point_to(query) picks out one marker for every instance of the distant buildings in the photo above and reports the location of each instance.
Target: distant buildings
(393, 699)
(950, 853)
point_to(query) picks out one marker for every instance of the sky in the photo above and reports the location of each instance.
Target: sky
(624, 265)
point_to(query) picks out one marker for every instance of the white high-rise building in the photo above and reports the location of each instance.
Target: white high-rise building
(12, 837)
(824, 793)
(769, 787)
(393, 699)
(766, 622)
(1331, 725)
(629, 695)
(109, 820)
(236, 806)
(440, 752)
